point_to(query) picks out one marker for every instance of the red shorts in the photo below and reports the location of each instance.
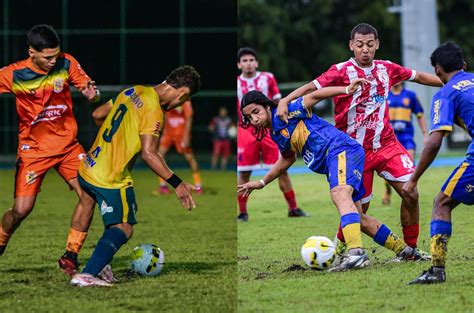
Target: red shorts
(168, 140)
(30, 172)
(221, 147)
(392, 162)
(250, 151)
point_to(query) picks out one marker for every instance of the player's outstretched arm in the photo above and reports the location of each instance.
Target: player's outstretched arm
(158, 165)
(282, 110)
(277, 169)
(100, 113)
(91, 92)
(428, 79)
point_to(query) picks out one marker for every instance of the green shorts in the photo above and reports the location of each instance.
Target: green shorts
(116, 205)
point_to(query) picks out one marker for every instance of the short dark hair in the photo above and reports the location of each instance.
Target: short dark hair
(42, 37)
(246, 50)
(258, 98)
(364, 29)
(185, 75)
(449, 56)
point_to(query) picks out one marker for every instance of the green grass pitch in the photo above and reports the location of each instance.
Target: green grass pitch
(200, 273)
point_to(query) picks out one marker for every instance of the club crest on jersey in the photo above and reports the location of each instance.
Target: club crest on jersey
(58, 85)
(382, 75)
(284, 132)
(104, 208)
(30, 177)
(406, 102)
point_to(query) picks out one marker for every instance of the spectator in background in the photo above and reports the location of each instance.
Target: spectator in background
(219, 127)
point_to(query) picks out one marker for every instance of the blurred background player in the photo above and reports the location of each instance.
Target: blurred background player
(221, 142)
(47, 130)
(365, 117)
(177, 132)
(452, 104)
(404, 103)
(250, 152)
(131, 125)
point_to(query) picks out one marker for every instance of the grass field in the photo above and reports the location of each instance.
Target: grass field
(272, 279)
(200, 274)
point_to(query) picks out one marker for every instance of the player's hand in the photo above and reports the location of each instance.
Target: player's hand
(91, 92)
(356, 84)
(409, 187)
(247, 188)
(282, 110)
(183, 192)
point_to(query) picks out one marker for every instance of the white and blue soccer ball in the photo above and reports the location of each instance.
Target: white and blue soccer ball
(318, 252)
(147, 259)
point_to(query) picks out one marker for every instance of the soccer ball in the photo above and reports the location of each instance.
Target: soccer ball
(147, 259)
(318, 252)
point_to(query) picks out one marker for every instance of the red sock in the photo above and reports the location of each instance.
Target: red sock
(340, 235)
(291, 200)
(410, 234)
(242, 203)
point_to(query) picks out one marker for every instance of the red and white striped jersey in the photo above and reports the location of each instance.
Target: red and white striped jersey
(365, 114)
(264, 82)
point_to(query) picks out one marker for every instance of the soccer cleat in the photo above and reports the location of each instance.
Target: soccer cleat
(353, 259)
(243, 217)
(87, 280)
(2, 249)
(341, 246)
(434, 275)
(198, 190)
(68, 263)
(107, 275)
(412, 254)
(161, 190)
(297, 213)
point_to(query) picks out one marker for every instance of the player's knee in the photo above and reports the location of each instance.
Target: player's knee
(126, 228)
(341, 192)
(20, 212)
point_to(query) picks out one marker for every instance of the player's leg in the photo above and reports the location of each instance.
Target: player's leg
(215, 153)
(189, 156)
(242, 178)
(28, 179)
(387, 194)
(225, 153)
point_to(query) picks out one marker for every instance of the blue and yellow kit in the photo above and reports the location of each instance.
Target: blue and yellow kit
(324, 148)
(105, 171)
(454, 104)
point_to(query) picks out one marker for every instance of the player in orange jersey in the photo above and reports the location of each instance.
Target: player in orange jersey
(177, 132)
(47, 130)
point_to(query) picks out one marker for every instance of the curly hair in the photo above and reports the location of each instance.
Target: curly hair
(259, 98)
(185, 75)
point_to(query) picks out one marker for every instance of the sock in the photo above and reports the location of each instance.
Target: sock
(440, 233)
(242, 204)
(110, 242)
(162, 182)
(197, 179)
(350, 223)
(291, 200)
(75, 240)
(4, 237)
(340, 235)
(389, 240)
(410, 234)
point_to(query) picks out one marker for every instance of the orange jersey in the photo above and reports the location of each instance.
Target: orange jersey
(175, 120)
(47, 126)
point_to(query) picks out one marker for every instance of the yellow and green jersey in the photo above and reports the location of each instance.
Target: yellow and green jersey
(135, 111)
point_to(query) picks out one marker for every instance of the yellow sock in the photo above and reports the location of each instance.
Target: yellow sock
(438, 249)
(394, 243)
(352, 235)
(4, 237)
(197, 178)
(75, 240)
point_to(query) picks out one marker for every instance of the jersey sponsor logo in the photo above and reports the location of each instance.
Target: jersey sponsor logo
(175, 121)
(50, 113)
(469, 188)
(134, 97)
(436, 106)
(369, 122)
(373, 102)
(104, 208)
(308, 156)
(294, 114)
(58, 85)
(30, 177)
(284, 132)
(463, 84)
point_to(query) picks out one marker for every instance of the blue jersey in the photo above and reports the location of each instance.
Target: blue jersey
(454, 104)
(402, 107)
(308, 135)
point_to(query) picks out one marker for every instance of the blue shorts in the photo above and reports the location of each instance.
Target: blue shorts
(116, 205)
(407, 141)
(345, 165)
(460, 184)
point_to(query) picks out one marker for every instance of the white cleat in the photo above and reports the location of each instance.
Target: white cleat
(87, 280)
(107, 275)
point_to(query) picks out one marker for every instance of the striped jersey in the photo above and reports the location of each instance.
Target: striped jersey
(364, 115)
(135, 111)
(47, 126)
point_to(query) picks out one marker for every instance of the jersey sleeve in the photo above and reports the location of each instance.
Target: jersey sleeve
(77, 75)
(331, 77)
(273, 90)
(297, 110)
(416, 107)
(399, 73)
(442, 114)
(6, 79)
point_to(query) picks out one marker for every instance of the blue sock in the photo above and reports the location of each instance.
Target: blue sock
(110, 242)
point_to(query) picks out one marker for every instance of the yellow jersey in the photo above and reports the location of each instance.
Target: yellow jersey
(135, 111)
